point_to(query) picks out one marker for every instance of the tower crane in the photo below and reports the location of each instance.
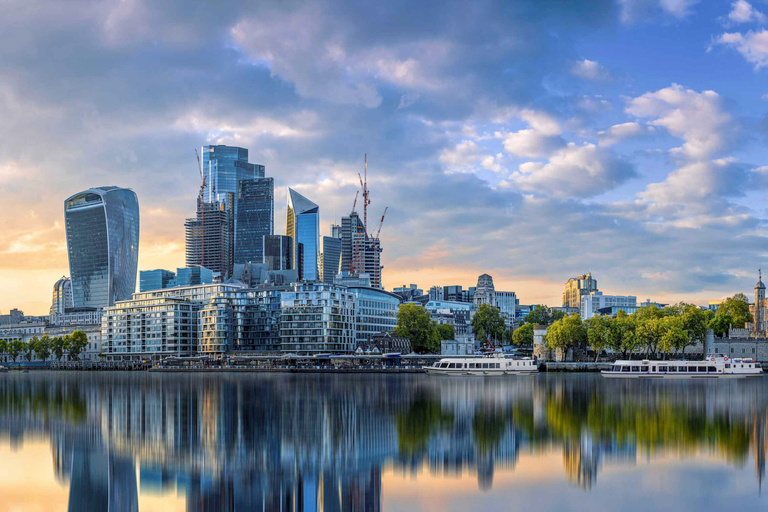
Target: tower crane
(202, 209)
(354, 203)
(366, 199)
(381, 223)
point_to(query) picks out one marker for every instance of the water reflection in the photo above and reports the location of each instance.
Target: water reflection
(304, 442)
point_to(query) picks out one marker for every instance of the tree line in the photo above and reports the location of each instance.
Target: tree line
(71, 345)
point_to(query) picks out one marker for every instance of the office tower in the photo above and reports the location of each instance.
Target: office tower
(278, 252)
(576, 287)
(255, 218)
(193, 276)
(103, 245)
(366, 258)
(62, 296)
(303, 225)
(351, 227)
(156, 279)
(209, 236)
(224, 167)
(485, 291)
(331, 258)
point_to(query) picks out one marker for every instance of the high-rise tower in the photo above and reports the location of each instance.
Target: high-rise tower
(103, 245)
(223, 168)
(210, 237)
(303, 225)
(255, 218)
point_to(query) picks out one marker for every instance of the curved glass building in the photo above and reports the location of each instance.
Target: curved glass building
(303, 225)
(103, 245)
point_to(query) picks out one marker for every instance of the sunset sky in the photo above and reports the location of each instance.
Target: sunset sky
(530, 140)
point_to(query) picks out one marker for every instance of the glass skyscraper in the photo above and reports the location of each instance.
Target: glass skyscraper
(278, 252)
(255, 218)
(156, 279)
(103, 245)
(303, 225)
(224, 167)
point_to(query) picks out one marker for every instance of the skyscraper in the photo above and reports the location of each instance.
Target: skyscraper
(156, 279)
(62, 296)
(303, 225)
(224, 167)
(210, 236)
(103, 245)
(576, 287)
(255, 218)
(278, 252)
(351, 227)
(331, 258)
(366, 258)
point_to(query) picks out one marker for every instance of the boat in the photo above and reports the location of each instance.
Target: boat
(3, 368)
(714, 366)
(490, 364)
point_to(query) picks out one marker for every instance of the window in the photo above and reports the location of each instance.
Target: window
(635, 368)
(485, 365)
(643, 368)
(711, 369)
(703, 369)
(727, 365)
(672, 369)
(662, 368)
(625, 368)
(615, 368)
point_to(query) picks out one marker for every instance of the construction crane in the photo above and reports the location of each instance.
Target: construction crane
(354, 203)
(202, 209)
(366, 199)
(381, 223)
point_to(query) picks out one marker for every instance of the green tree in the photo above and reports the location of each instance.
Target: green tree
(738, 307)
(3, 346)
(445, 332)
(15, 348)
(488, 323)
(43, 348)
(623, 334)
(674, 335)
(721, 324)
(566, 333)
(77, 343)
(598, 333)
(29, 348)
(694, 323)
(59, 346)
(523, 335)
(543, 315)
(413, 323)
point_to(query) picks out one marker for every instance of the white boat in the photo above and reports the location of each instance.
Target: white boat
(490, 364)
(713, 366)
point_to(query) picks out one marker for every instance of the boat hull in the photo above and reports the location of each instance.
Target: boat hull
(478, 373)
(615, 375)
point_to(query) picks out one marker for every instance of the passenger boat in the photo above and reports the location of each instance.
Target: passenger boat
(712, 367)
(489, 364)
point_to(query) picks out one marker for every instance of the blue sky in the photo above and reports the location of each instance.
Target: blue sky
(530, 140)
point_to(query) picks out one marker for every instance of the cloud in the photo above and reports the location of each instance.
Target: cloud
(574, 171)
(619, 132)
(743, 12)
(589, 70)
(752, 45)
(698, 118)
(639, 10)
(540, 140)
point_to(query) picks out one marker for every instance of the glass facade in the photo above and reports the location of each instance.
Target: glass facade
(103, 245)
(278, 252)
(193, 276)
(303, 225)
(156, 279)
(224, 167)
(255, 218)
(375, 312)
(331, 258)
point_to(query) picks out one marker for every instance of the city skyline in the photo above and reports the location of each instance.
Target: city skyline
(528, 144)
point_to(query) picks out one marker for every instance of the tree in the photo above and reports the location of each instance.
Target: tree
(523, 336)
(59, 346)
(488, 323)
(542, 315)
(29, 348)
(598, 333)
(445, 332)
(15, 348)
(623, 334)
(721, 324)
(3, 346)
(674, 335)
(566, 333)
(43, 348)
(413, 323)
(77, 343)
(738, 307)
(694, 323)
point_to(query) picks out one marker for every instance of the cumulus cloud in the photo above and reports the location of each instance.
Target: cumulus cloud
(619, 132)
(743, 12)
(589, 70)
(638, 10)
(540, 140)
(574, 171)
(698, 118)
(752, 45)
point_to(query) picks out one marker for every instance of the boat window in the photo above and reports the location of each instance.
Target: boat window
(727, 365)
(444, 365)
(452, 365)
(615, 368)
(672, 369)
(635, 368)
(662, 368)
(703, 369)
(485, 365)
(711, 369)
(471, 365)
(643, 368)
(625, 368)
(757, 365)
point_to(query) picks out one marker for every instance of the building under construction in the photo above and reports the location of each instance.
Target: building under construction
(210, 237)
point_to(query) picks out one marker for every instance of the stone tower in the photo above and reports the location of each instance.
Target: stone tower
(759, 320)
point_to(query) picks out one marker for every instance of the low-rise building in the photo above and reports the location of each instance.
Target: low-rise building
(375, 312)
(594, 301)
(317, 317)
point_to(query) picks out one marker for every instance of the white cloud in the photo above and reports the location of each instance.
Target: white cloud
(743, 12)
(696, 117)
(574, 171)
(540, 140)
(492, 163)
(619, 132)
(753, 46)
(589, 70)
(462, 157)
(636, 10)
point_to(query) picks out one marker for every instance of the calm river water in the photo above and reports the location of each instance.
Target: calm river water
(237, 442)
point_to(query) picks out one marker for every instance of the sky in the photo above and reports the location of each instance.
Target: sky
(531, 140)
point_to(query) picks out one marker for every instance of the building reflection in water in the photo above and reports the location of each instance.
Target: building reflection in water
(299, 443)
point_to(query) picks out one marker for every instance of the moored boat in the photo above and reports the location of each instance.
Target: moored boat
(490, 364)
(713, 366)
